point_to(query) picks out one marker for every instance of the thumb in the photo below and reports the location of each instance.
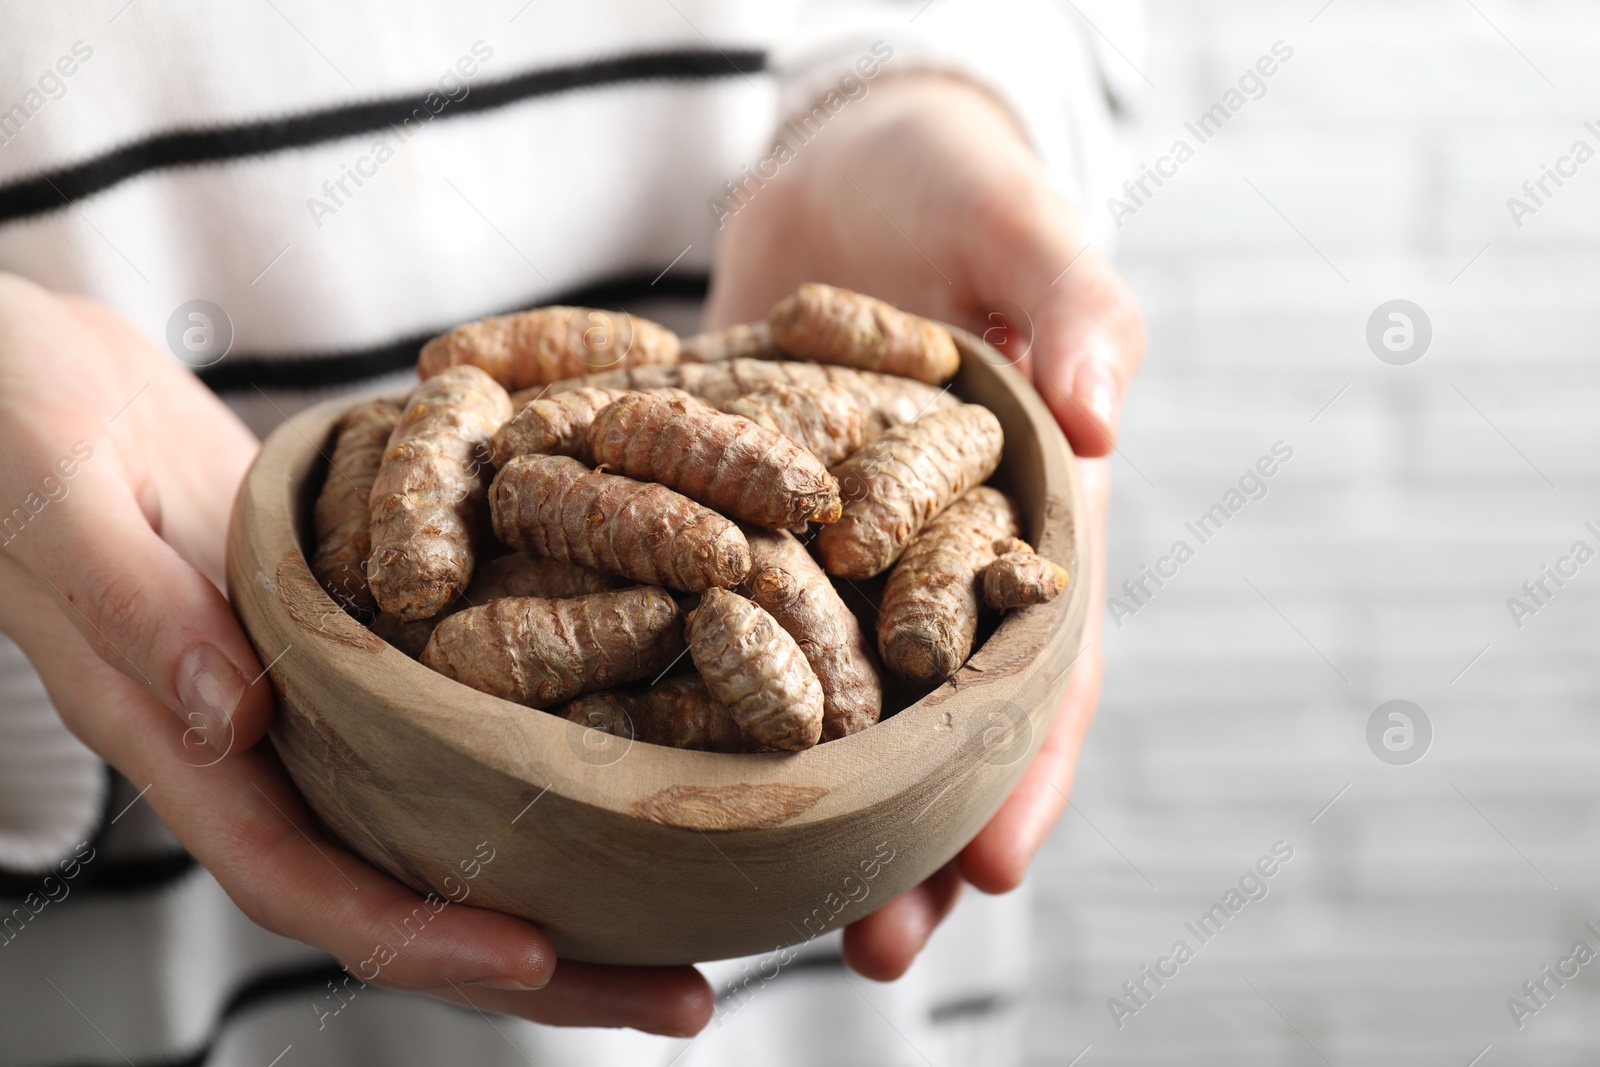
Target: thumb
(1088, 343)
(1060, 313)
(141, 607)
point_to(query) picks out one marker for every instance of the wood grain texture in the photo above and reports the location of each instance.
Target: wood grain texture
(728, 807)
(633, 853)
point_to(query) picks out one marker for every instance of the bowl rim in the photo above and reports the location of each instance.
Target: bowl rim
(677, 787)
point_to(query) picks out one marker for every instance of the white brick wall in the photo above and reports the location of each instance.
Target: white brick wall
(1391, 541)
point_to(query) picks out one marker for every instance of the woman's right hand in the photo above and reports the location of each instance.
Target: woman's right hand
(117, 473)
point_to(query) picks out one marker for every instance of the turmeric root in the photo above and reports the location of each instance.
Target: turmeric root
(1019, 576)
(555, 425)
(409, 636)
(541, 652)
(551, 426)
(929, 614)
(549, 343)
(792, 588)
(681, 713)
(678, 713)
(555, 506)
(752, 665)
(824, 421)
(340, 516)
(429, 490)
(611, 711)
(518, 574)
(1005, 545)
(724, 461)
(833, 325)
(893, 486)
(748, 340)
(885, 400)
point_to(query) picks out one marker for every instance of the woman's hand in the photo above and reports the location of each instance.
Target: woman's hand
(117, 473)
(925, 194)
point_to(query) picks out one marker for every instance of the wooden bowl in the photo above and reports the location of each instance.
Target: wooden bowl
(629, 852)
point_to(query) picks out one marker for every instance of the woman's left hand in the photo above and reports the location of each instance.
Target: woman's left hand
(925, 193)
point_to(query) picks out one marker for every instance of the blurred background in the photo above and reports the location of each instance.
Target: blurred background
(1341, 292)
(1419, 498)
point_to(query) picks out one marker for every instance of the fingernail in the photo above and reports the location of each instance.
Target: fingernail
(210, 690)
(1095, 389)
(505, 983)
